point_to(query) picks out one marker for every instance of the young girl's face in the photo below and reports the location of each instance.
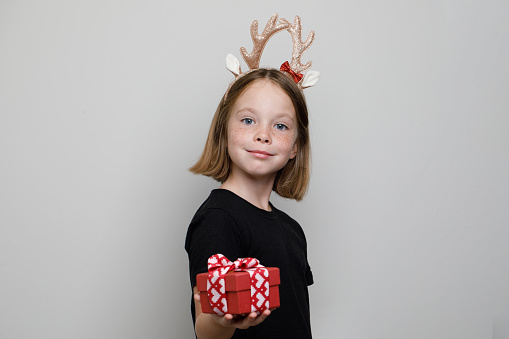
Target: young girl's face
(262, 131)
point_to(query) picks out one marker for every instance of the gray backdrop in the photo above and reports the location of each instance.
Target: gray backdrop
(105, 104)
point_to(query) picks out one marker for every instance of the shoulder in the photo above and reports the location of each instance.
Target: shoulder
(219, 208)
(210, 223)
(215, 217)
(225, 200)
(291, 223)
(226, 204)
(284, 216)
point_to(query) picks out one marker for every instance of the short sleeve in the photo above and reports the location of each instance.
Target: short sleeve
(212, 231)
(309, 276)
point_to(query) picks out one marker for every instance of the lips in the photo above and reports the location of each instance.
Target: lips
(260, 154)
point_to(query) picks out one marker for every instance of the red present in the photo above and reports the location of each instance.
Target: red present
(238, 291)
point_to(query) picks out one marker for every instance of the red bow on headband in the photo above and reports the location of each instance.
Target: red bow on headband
(285, 67)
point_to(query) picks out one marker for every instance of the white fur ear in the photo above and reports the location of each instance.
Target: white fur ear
(233, 64)
(310, 79)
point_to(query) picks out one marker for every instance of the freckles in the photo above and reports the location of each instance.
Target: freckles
(285, 139)
(237, 134)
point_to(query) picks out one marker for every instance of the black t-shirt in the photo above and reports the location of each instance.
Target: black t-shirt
(230, 225)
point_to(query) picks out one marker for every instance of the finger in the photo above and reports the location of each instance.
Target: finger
(252, 315)
(254, 319)
(197, 296)
(263, 315)
(260, 318)
(225, 320)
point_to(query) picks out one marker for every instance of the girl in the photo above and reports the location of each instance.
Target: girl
(258, 143)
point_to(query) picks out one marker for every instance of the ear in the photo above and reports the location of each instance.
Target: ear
(294, 151)
(310, 79)
(233, 64)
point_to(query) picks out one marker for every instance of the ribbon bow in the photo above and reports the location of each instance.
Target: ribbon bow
(219, 265)
(285, 67)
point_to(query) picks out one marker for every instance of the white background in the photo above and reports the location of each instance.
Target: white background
(105, 104)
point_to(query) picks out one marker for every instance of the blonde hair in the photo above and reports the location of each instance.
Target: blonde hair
(293, 179)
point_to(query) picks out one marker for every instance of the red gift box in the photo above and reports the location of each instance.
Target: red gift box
(238, 291)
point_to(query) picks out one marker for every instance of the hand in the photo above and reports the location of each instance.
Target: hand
(238, 321)
(241, 322)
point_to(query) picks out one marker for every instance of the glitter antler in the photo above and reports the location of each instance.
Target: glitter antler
(260, 40)
(298, 46)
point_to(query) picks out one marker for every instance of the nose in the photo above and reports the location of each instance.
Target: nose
(263, 135)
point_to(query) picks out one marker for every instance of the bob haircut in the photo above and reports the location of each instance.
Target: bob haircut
(293, 179)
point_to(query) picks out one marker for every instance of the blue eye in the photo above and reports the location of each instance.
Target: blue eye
(281, 127)
(247, 121)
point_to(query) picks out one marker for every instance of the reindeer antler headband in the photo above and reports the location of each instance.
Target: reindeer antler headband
(292, 68)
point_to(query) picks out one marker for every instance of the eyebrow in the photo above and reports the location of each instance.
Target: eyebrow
(245, 109)
(285, 115)
(280, 115)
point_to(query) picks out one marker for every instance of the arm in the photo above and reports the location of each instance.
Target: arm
(215, 231)
(212, 326)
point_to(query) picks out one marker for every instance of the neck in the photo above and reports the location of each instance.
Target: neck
(255, 190)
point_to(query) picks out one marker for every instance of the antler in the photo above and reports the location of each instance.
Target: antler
(298, 46)
(259, 41)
